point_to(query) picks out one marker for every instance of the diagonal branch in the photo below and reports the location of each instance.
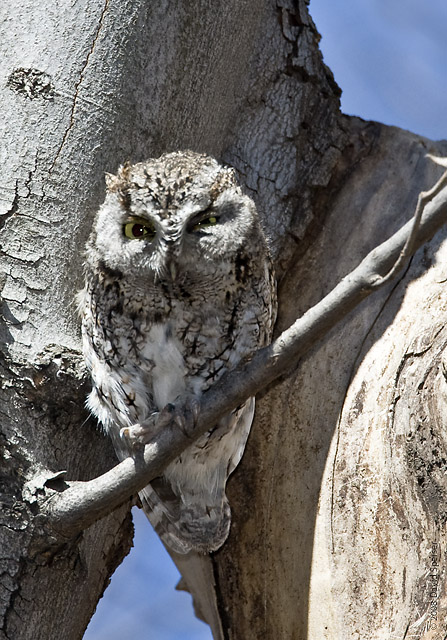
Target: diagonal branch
(82, 503)
(424, 198)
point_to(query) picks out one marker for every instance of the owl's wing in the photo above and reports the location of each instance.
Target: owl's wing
(193, 513)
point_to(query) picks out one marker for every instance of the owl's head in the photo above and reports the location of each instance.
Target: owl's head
(180, 212)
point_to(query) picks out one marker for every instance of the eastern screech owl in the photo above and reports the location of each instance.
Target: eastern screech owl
(178, 289)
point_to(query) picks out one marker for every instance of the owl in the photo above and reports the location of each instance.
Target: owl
(179, 289)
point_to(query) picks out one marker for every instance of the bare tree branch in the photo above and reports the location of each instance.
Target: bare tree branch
(80, 504)
(424, 198)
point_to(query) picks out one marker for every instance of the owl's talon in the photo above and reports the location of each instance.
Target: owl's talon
(141, 433)
(187, 410)
(195, 408)
(124, 433)
(184, 413)
(180, 420)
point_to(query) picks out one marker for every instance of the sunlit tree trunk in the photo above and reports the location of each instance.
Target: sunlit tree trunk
(338, 506)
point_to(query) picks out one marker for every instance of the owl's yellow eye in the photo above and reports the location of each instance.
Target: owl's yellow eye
(137, 229)
(206, 222)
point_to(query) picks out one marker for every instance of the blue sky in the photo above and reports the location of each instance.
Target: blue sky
(141, 602)
(390, 59)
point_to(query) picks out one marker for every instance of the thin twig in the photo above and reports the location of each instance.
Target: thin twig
(423, 199)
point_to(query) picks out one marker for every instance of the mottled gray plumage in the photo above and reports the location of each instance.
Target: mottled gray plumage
(178, 289)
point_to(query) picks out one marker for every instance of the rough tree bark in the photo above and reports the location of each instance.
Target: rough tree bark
(338, 507)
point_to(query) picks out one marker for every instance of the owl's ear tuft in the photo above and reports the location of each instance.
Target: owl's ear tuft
(121, 180)
(110, 181)
(226, 178)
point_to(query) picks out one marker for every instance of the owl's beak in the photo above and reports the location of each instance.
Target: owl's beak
(172, 247)
(169, 270)
(173, 270)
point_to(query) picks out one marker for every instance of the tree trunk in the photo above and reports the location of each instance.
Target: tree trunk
(339, 498)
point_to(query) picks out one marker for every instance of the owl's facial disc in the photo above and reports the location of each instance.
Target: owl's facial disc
(160, 241)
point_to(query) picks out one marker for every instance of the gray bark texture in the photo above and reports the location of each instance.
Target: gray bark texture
(339, 517)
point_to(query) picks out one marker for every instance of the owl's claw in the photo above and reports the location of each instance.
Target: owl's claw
(184, 413)
(141, 433)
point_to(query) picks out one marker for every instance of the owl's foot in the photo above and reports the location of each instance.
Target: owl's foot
(184, 413)
(141, 433)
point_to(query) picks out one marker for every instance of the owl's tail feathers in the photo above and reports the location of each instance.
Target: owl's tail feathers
(187, 506)
(186, 526)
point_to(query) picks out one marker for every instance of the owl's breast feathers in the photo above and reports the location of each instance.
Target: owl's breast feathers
(154, 342)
